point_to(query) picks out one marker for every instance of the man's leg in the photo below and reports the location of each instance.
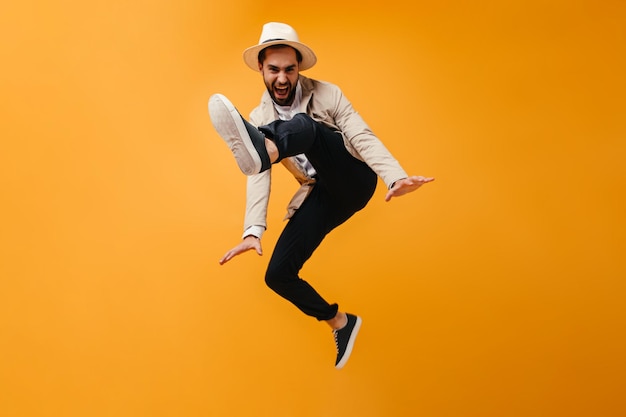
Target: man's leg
(301, 236)
(344, 186)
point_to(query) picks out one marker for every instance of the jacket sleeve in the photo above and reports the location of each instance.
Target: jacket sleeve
(366, 144)
(257, 198)
(257, 192)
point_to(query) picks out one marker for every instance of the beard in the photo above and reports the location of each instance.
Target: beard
(284, 94)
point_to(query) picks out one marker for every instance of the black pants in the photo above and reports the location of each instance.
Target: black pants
(344, 186)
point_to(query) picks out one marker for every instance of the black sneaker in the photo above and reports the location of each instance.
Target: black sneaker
(344, 339)
(245, 141)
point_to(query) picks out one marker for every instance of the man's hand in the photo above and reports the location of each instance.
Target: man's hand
(249, 242)
(407, 185)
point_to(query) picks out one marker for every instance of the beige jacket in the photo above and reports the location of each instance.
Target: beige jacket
(325, 103)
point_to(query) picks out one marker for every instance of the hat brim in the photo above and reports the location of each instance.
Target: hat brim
(251, 55)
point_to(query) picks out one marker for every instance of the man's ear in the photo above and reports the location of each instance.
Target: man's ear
(260, 67)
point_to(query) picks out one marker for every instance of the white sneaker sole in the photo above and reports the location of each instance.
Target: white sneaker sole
(346, 355)
(229, 125)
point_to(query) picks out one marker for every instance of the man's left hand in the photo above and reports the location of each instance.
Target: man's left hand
(407, 185)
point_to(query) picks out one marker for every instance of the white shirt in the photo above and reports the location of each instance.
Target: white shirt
(287, 113)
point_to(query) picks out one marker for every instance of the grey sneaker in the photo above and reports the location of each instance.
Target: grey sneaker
(344, 339)
(245, 141)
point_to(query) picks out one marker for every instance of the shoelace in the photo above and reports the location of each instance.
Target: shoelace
(335, 334)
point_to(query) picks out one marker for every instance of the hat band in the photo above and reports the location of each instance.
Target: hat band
(274, 39)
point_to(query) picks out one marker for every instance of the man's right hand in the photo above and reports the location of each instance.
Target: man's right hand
(248, 243)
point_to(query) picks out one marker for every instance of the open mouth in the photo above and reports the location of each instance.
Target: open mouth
(281, 92)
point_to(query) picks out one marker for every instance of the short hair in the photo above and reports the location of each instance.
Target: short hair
(278, 46)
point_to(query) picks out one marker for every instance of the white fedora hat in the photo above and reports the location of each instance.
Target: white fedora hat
(279, 34)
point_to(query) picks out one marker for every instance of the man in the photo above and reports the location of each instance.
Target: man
(313, 130)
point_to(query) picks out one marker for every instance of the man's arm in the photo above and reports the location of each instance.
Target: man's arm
(255, 222)
(257, 200)
(362, 141)
(374, 152)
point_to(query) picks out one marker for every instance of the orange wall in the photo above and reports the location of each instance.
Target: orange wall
(497, 291)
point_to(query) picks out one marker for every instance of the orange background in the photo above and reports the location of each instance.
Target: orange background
(498, 290)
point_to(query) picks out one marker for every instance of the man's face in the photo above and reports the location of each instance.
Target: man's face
(280, 74)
